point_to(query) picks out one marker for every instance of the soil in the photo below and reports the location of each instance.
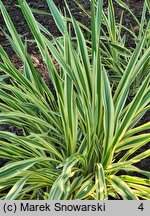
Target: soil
(47, 21)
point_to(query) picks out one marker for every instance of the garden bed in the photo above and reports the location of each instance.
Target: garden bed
(39, 64)
(48, 22)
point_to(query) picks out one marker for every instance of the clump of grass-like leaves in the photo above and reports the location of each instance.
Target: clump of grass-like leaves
(70, 144)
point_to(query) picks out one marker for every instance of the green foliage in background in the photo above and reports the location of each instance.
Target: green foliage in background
(118, 41)
(76, 144)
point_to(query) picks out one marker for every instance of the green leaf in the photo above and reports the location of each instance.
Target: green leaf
(16, 189)
(57, 16)
(16, 168)
(58, 190)
(101, 187)
(108, 113)
(122, 188)
(85, 190)
(121, 50)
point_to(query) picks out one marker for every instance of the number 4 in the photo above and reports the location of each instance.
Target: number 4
(141, 207)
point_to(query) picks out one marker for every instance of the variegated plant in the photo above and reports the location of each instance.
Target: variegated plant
(72, 145)
(116, 38)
